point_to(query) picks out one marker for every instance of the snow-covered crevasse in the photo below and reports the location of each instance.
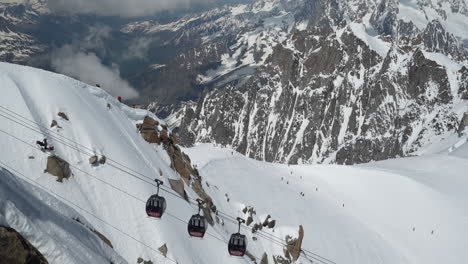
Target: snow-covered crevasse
(108, 130)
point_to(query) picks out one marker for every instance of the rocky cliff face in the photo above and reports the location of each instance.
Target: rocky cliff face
(14, 249)
(360, 82)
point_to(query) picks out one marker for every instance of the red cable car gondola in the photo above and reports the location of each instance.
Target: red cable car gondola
(238, 243)
(156, 205)
(197, 225)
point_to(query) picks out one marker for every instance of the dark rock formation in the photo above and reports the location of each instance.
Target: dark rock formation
(63, 115)
(148, 130)
(180, 162)
(264, 259)
(15, 249)
(102, 160)
(163, 249)
(54, 124)
(94, 160)
(58, 167)
(295, 245)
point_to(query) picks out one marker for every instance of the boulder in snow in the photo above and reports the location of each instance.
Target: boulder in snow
(94, 160)
(54, 124)
(103, 160)
(163, 249)
(58, 167)
(63, 115)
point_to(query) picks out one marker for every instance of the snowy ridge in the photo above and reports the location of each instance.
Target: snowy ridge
(39, 96)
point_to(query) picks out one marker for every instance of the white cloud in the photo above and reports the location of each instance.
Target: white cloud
(138, 48)
(129, 8)
(88, 68)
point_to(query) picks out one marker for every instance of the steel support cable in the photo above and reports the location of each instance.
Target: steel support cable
(104, 182)
(260, 233)
(38, 185)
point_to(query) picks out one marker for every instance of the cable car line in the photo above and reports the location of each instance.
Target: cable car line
(139, 199)
(265, 235)
(35, 183)
(38, 185)
(259, 233)
(110, 185)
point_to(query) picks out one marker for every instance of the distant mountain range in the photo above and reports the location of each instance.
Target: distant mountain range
(294, 81)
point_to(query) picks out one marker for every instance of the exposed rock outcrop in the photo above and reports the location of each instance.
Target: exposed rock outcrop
(294, 247)
(54, 124)
(148, 129)
(58, 167)
(94, 160)
(15, 249)
(463, 124)
(163, 249)
(142, 261)
(264, 259)
(180, 162)
(178, 186)
(102, 160)
(63, 115)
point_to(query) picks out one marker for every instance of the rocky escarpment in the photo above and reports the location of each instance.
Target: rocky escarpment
(15, 249)
(153, 132)
(333, 91)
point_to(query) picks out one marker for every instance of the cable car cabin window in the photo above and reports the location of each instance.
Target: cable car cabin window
(155, 206)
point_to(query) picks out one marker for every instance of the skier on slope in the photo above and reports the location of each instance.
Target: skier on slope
(119, 98)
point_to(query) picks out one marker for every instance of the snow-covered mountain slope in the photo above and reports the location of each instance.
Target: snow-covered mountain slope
(358, 215)
(48, 223)
(351, 214)
(107, 130)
